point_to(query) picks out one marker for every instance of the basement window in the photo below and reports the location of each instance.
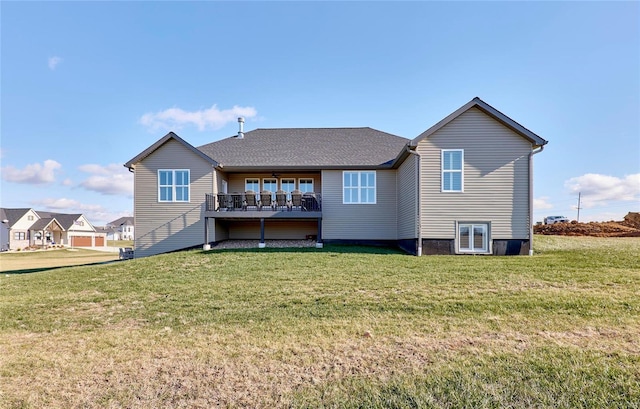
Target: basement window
(473, 238)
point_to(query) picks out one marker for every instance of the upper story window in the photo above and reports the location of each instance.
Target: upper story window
(288, 185)
(452, 174)
(252, 184)
(30, 217)
(173, 185)
(359, 187)
(305, 185)
(270, 184)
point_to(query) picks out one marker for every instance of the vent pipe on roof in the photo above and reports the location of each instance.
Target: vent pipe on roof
(241, 128)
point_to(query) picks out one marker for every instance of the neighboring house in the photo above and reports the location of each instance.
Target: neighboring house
(120, 229)
(28, 227)
(464, 186)
(78, 231)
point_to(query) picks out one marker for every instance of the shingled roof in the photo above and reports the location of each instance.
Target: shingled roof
(13, 215)
(44, 223)
(306, 148)
(127, 220)
(65, 220)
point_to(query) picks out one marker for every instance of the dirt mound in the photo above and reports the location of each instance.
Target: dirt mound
(630, 227)
(632, 219)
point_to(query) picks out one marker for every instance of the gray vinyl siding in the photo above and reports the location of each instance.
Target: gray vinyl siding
(496, 182)
(359, 221)
(407, 194)
(163, 227)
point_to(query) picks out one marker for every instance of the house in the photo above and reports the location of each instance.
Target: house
(24, 227)
(463, 186)
(120, 229)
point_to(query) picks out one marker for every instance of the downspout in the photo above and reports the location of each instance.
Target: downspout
(533, 152)
(418, 221)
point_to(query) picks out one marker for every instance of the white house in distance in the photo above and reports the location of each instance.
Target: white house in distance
(120, 229)
(463, 186)
(22, 228)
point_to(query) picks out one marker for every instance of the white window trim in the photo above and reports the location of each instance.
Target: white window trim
(273, 191)
(312, 184)
(471, 224)
(270, 180)
(288, 191)
(442, 170)
(288, 180)
(252, 179)
(174, 185)
(375, 187)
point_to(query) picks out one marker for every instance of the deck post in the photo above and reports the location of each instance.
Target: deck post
(262, 243)
(319, 244)
(206, 245)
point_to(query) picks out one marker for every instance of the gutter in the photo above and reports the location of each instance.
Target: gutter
(418, 220)
(533, 152)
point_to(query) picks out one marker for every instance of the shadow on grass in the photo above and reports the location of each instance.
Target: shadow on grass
(41, 269)
(333, 248)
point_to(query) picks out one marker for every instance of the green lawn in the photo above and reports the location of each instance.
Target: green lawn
(34, 261)
(339, 327)
(120, 243)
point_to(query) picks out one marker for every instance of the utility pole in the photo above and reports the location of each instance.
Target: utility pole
(579, 193)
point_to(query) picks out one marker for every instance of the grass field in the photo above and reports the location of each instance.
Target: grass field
(340, 327)
(120, 243)
(35, 261)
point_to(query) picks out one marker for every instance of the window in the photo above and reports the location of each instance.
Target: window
(305, 185)
(473, 237)
(19, 235)
(288, 185)
(252, 184)
(452, 162)
(271, 185)
(359, 187)
(30, 217)
(173, 185)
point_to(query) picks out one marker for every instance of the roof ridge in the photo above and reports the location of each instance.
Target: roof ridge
(317, 127)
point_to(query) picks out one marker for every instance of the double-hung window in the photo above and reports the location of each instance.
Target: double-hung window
(452, 175)
(305, 185)
(473, 237)
(288, 185)
(252, 184)
(271, 185)
(173, 185)
(358, 187)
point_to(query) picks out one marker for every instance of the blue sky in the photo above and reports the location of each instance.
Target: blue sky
(86, 86)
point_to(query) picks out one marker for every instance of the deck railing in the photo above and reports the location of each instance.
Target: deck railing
(304, 202)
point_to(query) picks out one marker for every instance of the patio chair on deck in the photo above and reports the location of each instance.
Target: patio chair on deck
(236, 201)
(250, 199)
(296, 199)
(281, 199)
(266, 199)
(224, 201)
